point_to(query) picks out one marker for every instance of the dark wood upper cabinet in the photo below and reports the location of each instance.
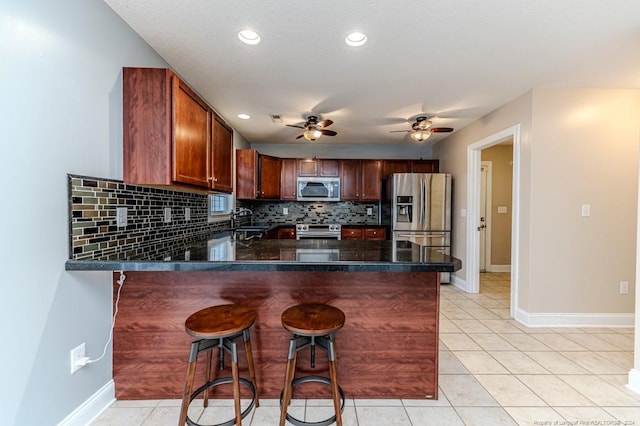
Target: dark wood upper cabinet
(390, 167)
(289, 179)
(318, 167)
(270, 172)
(360, 180)
(424, 166)
(222, 176)
(168, 137)
(257, 176)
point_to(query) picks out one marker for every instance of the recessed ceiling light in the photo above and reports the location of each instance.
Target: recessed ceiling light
(244, 116)
(356, 39)
(248, 36)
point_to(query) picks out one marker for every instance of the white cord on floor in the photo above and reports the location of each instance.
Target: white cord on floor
(113, 322)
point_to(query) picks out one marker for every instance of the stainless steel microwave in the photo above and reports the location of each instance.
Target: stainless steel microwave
(318, 189)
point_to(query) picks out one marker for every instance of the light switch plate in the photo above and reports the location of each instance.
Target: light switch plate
(187, 213)
(167, 214)
(502, 209)
(369, 211)
(463, 212)
(586, 210)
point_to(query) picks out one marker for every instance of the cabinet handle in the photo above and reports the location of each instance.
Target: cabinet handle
(215, 179)
(210, 179)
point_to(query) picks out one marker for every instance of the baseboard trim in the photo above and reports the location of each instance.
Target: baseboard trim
(89, 410)
(634, 380)
(574, 320)
(500, 268)
(459, 283)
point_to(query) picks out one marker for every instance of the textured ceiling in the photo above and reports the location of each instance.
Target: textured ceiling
(458, 59)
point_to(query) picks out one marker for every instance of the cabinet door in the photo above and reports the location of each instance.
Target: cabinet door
(370, 180)
(307, 167)
(424, 166)
(288, 182)
(395, 166)
(329, 168)
(349, 179)
(246, 177)
(222, 150)
(191, 136)
(270, 171)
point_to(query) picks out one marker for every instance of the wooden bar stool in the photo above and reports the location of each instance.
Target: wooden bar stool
(218, 327)
(312, 324)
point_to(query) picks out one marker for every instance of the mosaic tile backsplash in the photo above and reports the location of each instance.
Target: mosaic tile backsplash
(92, 220)
(343, 212)
(94, 234)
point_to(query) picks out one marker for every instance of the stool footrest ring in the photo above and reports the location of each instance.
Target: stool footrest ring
(306, 379)
(220, 381)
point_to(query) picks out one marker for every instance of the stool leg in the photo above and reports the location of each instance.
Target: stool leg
(252, 370)
(236, 382)
(207, 378)
(291, 366)
(188, 384)
(333, 375)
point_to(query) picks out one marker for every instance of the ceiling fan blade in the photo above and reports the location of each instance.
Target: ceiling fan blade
(441, 129)
(328, 132)
(325, 123)
(399, 131)
(292, 125)
(300, 136)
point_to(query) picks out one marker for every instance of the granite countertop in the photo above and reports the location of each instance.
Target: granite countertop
(224, 253)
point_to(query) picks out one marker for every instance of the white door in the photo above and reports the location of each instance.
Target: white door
(485, 205)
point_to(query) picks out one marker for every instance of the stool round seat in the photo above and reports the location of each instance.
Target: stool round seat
(218, 328)
(219, 321)
(313, 319)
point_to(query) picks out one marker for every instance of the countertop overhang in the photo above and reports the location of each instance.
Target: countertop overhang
(222, 253)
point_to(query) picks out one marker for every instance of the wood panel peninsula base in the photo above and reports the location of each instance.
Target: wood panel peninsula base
(388, 347)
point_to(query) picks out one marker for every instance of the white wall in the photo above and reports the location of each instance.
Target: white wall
(579, 146)
(61, 113)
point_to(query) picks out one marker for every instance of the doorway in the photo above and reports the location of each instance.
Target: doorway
(473, 211)
(485, 216)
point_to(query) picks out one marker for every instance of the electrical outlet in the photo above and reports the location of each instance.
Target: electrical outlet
(187, 213)
(121, 217)
(624, 287)
(77, 358)
(167, 214)
(369, 211)
(285, 210)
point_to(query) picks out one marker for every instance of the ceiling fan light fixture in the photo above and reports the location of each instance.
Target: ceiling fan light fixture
(248, 36)
(356, 39)
(312, 134)
(420, 135)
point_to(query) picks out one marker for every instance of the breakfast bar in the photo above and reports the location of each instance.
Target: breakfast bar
(388, 290)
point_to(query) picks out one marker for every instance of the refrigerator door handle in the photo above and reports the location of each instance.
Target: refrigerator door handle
(422, 205)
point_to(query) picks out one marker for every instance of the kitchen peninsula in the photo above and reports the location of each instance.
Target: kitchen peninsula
(388, 290)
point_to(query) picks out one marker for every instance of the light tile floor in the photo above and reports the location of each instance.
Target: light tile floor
(493, 371)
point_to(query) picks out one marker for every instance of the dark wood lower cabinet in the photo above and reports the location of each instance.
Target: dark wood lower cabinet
(388, 347)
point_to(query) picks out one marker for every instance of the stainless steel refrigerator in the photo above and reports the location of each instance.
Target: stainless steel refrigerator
(420, 211)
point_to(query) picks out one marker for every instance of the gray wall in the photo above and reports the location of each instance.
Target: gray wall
(62, 113)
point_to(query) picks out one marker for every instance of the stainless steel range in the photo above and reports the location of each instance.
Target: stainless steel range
(327, 231)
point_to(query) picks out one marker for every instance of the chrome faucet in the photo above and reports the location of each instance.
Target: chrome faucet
(241, 212)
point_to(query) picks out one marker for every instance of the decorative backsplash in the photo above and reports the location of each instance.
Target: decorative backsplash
(94, 234)
(343, 212)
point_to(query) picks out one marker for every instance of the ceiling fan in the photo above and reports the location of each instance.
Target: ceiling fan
(421, 130)
(313, 128)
